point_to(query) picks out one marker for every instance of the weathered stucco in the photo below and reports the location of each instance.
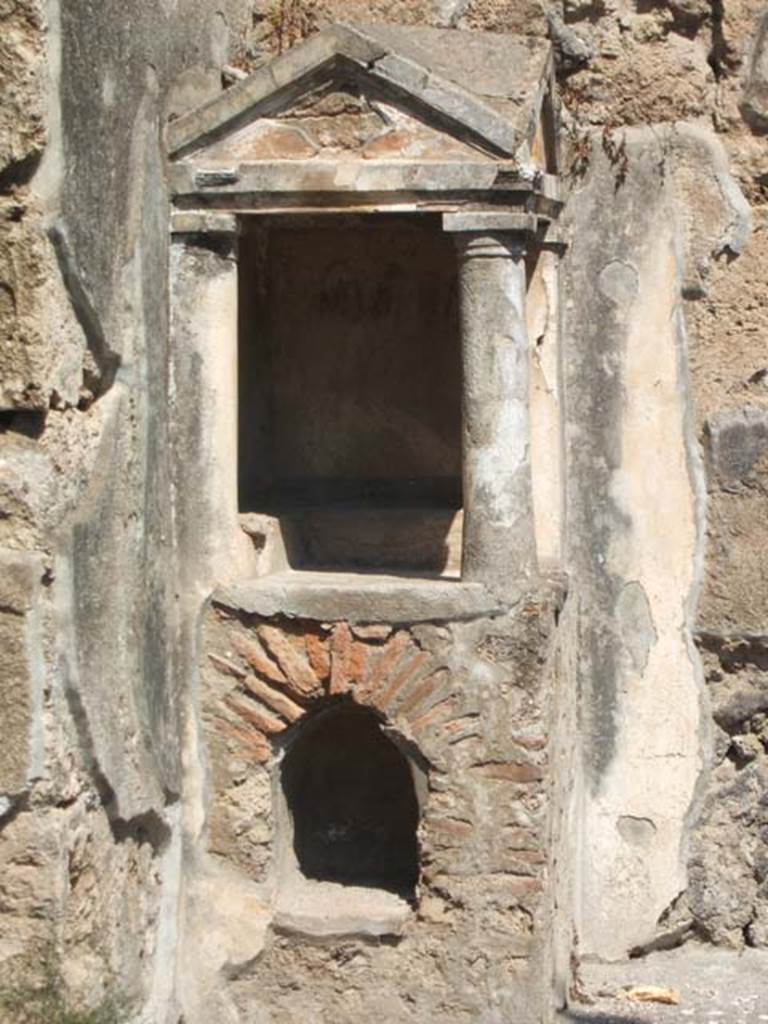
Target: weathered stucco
(636, 527)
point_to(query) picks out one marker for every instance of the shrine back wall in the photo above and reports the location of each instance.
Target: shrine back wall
(664, 115)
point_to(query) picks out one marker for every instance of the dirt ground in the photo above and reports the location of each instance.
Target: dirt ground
(715, 986)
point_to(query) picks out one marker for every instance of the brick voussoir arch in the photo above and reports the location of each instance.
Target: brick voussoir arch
(279, 674)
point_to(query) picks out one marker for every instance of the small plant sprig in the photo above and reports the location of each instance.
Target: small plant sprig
(46, 1001)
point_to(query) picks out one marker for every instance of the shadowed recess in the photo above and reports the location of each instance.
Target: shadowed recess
(351, 797)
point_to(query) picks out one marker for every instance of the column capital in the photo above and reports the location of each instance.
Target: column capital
(479, 245)
(204, 222)
(502, 224)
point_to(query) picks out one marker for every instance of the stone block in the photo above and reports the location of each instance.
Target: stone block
(23, 354)
(300, 61)
(22, 55)
(227, 925)
(635, 514)
(449, 100)
(485, 64)
(21, 668)
(723, 884)
(29, 847)
(333, 176)
(735, 594)
(42, 350)
(738, 441)
(327, 910)
(754, 103)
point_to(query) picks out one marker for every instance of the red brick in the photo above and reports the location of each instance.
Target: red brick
(262, 720)
(511, 771)
(524, 886)
(385, 662)
(358, 663)
(516, 838)
(529, 856)
(457, 724)
(341, 651)
(435, 713)
(299, 676)
(384, 700)
(319, 656)
(273, 699)
(226, 667)
(530, 742)
(452, 826)
(254, 743)
(423, 692)
(250, 649)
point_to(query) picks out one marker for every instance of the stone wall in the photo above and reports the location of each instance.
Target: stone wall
(90, 778)
(727, 897)
(666, 493)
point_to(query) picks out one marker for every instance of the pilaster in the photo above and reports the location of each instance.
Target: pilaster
(204, 333)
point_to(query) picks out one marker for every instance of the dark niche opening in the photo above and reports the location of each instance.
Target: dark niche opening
(351, 798)
(350, 389)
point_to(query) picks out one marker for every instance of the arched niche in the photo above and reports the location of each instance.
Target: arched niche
(351, 801)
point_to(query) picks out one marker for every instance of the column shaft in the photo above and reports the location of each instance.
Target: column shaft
(499, 539)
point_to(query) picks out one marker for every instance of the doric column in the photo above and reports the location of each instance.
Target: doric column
(204, 365)
(499, 546)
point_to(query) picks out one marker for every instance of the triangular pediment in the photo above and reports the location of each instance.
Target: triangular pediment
(377, 93)
(339, 120)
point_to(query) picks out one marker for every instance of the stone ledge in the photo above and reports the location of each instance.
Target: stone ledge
(326, 910)
(360, 597)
